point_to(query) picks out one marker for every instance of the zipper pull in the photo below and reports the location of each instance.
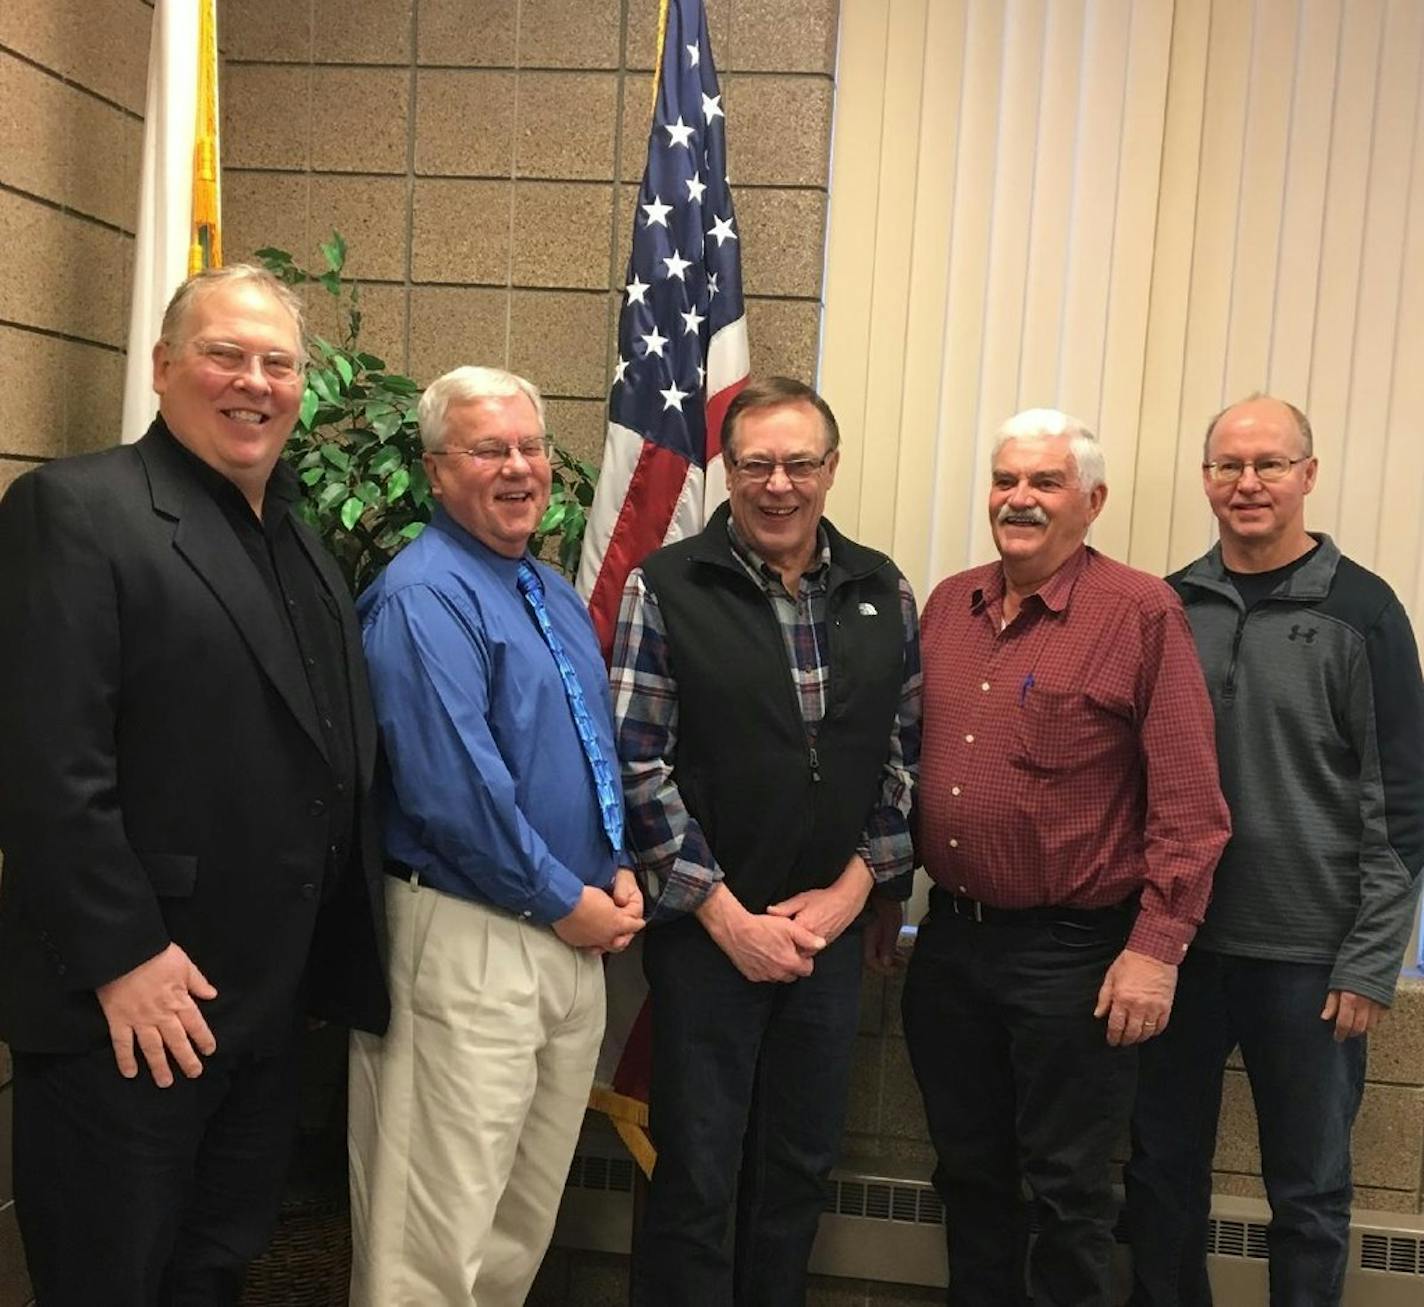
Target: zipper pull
(815, 765)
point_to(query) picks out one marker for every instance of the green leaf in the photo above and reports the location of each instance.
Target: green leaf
(343, 366)
(398, 484)
(331, 494)
(351, 512)
(401, 385)
(553, 518)
(337, 457)
(312, 458)
(322, 346)
(411, 529)
(334, 252)
(368, 492)
(320, 380)
(312, 475)
(570, 547)
(386, 458)
(371, 363)
(583, 492)
(386, 425)
(310, 400)
(332, 282)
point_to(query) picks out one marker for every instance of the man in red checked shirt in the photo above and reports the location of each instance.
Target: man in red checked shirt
(1070, 817)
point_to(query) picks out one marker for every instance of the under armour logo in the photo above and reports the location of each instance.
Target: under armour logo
(1307, 634)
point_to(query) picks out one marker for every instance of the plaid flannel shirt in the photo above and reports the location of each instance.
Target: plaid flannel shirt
(670, 848)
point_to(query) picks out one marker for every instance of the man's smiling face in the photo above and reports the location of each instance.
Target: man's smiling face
(1037, 508)
(237, 424)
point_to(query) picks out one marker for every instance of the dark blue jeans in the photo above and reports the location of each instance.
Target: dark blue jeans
(1307, 1090)
(1020, 1087)
(749, 1090)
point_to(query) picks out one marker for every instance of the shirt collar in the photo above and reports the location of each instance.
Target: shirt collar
(505, 567)
(281, 486)
(1053, 594)
(763, 571)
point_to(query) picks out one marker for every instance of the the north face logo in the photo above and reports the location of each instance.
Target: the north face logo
(1302, 633)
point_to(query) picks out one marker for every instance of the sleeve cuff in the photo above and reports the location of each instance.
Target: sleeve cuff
(559, 896)
(1161, 937)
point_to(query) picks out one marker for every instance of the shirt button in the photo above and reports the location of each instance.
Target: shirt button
(985, 686)
(311, 662)
(964, 889)
(316, 807)
(309, 891)
(954, 789)
(954, 844)
(341, 787)
(968, 739)
(291, 603)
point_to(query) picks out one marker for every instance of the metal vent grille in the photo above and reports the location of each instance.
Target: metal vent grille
(1393, 1254)
(1237, 1239)
(876, 1201)
(605, 1174)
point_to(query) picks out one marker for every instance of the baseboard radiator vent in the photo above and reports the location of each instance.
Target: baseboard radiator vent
(890, 1228)
(1394, 1254)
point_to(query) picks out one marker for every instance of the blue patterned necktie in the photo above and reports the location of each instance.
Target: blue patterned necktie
(605, 781)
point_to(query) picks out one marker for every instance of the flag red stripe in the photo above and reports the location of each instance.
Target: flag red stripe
(642, 523)
(717, 406)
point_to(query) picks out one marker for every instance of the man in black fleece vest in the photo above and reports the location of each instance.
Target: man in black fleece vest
(1314, 677)
(766, 689)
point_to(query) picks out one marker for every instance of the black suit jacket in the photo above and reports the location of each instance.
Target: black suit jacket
(162, 775)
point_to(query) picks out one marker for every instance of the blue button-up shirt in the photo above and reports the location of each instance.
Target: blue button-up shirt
(487, 792)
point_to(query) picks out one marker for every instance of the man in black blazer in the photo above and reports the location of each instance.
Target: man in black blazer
(186, 748)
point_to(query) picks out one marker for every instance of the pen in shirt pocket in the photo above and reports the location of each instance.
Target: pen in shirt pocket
(1025, 688)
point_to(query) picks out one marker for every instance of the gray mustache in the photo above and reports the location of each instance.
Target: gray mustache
(1021, 517)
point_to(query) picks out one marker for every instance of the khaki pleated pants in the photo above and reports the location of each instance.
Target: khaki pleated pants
(464, 1116)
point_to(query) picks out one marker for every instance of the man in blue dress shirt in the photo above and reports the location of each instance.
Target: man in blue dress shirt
(508, 880)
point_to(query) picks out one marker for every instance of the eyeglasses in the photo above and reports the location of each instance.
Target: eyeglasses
(1272, 468)
(234, 361)
(797, 469)
(492, 453)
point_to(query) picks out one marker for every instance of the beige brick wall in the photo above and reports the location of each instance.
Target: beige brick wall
(72, 76)
(72, 82)
(482, 158)
(886, 1123)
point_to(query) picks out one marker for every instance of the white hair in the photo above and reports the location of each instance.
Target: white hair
(462, 385)
(1049, 423)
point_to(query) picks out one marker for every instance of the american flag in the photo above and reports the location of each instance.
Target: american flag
(682, 332)
(682, 358)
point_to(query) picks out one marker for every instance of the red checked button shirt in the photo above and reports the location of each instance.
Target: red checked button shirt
(1069, 758)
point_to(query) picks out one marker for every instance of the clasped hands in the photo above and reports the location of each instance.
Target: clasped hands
(604, 921)
(781, 944)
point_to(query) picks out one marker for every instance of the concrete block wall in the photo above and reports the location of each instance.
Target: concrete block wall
(72, 86)
(482, 158)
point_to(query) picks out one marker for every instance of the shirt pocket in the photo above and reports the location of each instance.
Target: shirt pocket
(1058, 731)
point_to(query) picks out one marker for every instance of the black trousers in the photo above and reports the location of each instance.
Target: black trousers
(1020, 1087)
(128, 1195)
(749, 1089)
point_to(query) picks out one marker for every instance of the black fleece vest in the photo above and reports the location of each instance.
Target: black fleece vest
(780, 817)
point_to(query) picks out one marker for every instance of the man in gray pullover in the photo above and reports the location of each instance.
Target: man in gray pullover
(1315, 679)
